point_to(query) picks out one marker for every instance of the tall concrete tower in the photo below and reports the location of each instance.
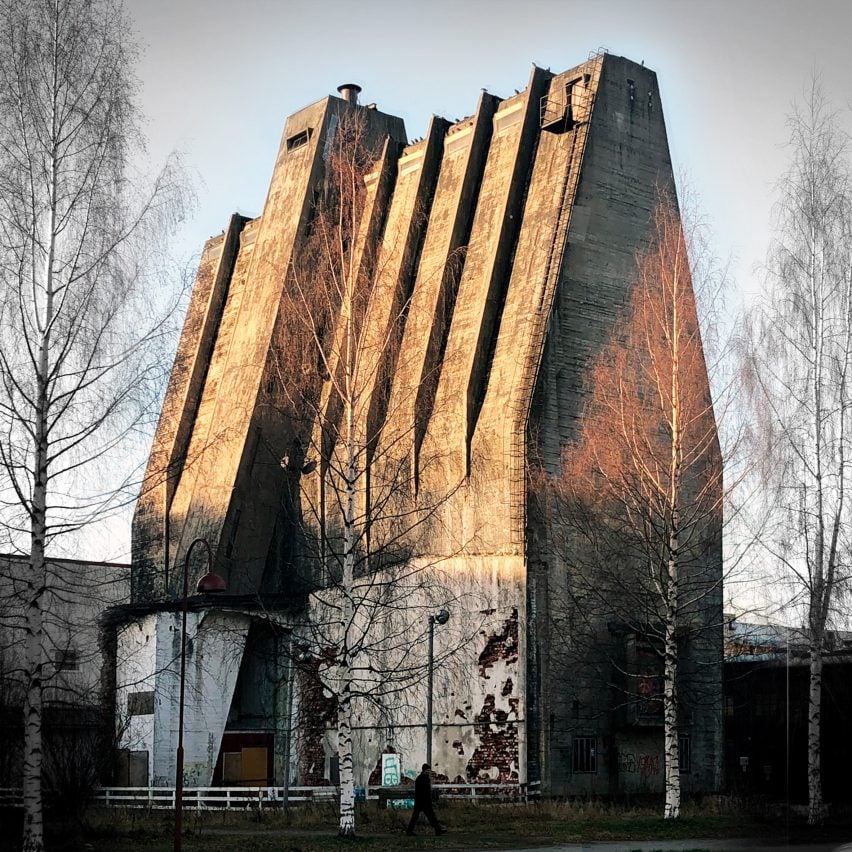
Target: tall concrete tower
(521, 224)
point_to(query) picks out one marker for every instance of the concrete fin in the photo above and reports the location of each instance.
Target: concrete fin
(497, 452)
(183, 398)
(441, 258)
(475, 319)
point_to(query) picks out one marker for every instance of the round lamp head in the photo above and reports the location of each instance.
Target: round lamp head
(210, 582)
(442, 616)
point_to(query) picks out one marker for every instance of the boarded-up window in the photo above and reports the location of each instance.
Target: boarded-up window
(253, 766)
(131, 768)
(246, 767)
(140, 703)
(232, 767)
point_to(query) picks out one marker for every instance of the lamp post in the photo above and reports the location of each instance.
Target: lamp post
(440, 617)
(210, 582)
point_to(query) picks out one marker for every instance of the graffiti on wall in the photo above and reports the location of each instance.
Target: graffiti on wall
(645, 765)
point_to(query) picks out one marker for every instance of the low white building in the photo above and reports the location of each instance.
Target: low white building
(147, 692)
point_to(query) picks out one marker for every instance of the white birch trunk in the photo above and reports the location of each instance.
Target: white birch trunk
(33, 839)
(34, 661)
(816, 807)
(33, 820)
(344, 753)
(344, 698)
(670, 698)
(672, 603)
(670, 724)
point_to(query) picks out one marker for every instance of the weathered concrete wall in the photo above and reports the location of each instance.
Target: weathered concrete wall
(136, 668)
(240, 383)
(625, 164)
(465, 146)
(476, 320)
(499, 445)
(208, 430)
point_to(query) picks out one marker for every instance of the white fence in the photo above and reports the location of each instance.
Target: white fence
(224, 798)
(211, 798)
(221, 798)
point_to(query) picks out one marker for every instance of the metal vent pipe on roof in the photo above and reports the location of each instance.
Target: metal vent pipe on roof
(349, 92)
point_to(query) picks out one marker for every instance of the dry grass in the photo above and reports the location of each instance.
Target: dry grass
(312, 828)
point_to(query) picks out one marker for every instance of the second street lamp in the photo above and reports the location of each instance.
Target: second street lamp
(440, 617)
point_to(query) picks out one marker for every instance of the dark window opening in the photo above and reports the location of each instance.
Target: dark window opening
(67, 660)
(649, 684)
(558, 115)
(569, 103)
(232, 537)
(584, 755)
(684, 752)
(299, 139)
(140, 703)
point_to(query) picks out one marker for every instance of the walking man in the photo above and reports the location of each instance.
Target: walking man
(423, 802)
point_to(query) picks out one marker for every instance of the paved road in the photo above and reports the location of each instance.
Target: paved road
(663, 845)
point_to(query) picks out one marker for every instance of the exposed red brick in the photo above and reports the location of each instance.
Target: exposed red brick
(502, 646)
(316, 714)
(498, 744)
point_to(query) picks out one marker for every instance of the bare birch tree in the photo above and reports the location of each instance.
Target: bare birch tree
(80, 331)
(641, 489)
(798, 361)
(345, 310)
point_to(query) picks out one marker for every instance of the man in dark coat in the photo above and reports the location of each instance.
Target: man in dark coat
(423, 801)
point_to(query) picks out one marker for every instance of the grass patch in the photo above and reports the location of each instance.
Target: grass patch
(312, 828)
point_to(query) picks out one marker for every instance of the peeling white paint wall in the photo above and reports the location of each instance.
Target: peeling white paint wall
(135, 672)
(149, 659)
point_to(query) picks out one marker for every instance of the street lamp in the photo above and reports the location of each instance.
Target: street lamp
(440, 617)
(210, 582)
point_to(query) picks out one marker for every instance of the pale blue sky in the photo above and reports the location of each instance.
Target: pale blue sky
(220, 77)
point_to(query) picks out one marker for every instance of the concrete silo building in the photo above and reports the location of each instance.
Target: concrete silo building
(512, 237)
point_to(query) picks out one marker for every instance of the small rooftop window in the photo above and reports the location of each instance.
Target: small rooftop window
(299, 139)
